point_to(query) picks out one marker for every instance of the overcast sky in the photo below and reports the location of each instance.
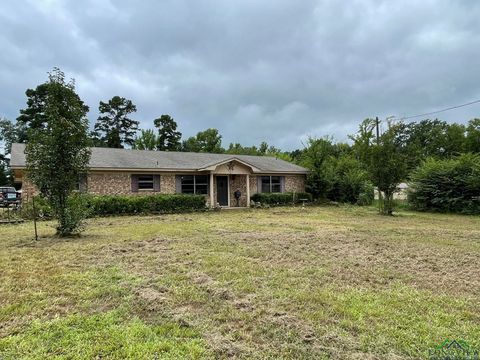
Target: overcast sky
(271, 70)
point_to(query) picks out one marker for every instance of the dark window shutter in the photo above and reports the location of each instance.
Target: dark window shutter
(259, 184)
(156, 182)
(82, 183)
(134, 183)
(282, 184)
(178, 184)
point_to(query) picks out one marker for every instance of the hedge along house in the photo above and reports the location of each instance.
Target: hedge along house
(142, 172)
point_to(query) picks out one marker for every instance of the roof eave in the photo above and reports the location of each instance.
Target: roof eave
(177, 170)
(284, 172)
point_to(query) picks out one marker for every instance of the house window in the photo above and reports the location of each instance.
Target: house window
(194, 184)
(271, 184)
(145, 182)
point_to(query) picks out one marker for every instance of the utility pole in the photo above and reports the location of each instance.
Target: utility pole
(377, 122)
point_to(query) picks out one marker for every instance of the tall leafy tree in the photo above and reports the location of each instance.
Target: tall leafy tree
(335, 174)
(455, 140)
(8, 135)
(263, 147)
(114, 127)
(205, 141)
(363, 139)
(277, 153)
(262, 150)
(296, 155)
(472, 139)
(314, 157)
(11, 132)
(5, 172)
(57, 153)
(147, 140)
(95, 139)
(238, 149)
(168, 136)
(384, 158)
(432, 138)
(33, 116)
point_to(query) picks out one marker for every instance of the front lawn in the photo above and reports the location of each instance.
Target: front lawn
(327, 282)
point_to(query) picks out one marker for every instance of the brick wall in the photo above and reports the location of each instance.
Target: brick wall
(238, 183)
(28, 189)
(119, 183)
(253, 185)
(109, 183)
(295, 183)
(167, 184)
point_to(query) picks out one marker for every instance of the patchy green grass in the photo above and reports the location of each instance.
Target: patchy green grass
(103, 335)
(326, 282)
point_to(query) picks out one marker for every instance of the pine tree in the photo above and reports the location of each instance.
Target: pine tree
(168, 136)
(113, 127)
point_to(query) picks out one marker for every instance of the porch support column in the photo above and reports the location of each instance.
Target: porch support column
(248, 190)
(212, 205)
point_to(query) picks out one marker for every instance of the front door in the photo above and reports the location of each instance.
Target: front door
(222, 190)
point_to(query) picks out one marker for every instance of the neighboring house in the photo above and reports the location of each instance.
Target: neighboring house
(399, 194)
(217, 176)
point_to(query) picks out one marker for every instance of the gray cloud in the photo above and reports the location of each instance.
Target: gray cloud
(277, 71)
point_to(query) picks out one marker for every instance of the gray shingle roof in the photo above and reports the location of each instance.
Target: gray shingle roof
(107, 158)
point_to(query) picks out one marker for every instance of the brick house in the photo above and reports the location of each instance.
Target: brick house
(141, 172)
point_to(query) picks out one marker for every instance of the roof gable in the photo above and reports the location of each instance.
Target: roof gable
(233, 159)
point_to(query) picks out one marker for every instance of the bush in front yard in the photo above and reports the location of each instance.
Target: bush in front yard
(43, 210)
(116, 205)
(281, 198)
(451, 185)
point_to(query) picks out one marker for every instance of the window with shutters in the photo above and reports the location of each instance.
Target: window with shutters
(194, 184)
(145, 182)
(271, 184)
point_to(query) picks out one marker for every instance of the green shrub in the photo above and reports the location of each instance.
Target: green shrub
(281, 198)
(118, 205)
(43, 210)
(74, 214)
(366, 194)
(451, 185)
(340, 178)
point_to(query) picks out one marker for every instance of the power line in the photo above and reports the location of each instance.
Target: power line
(439, 111)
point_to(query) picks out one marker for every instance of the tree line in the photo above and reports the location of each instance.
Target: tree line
(348, 172)
(339, 171)
(116, 127)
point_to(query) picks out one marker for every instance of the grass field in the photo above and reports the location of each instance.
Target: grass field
(326, 282)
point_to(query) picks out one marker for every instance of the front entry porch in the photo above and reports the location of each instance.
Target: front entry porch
(227, 178)
(223, 188)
